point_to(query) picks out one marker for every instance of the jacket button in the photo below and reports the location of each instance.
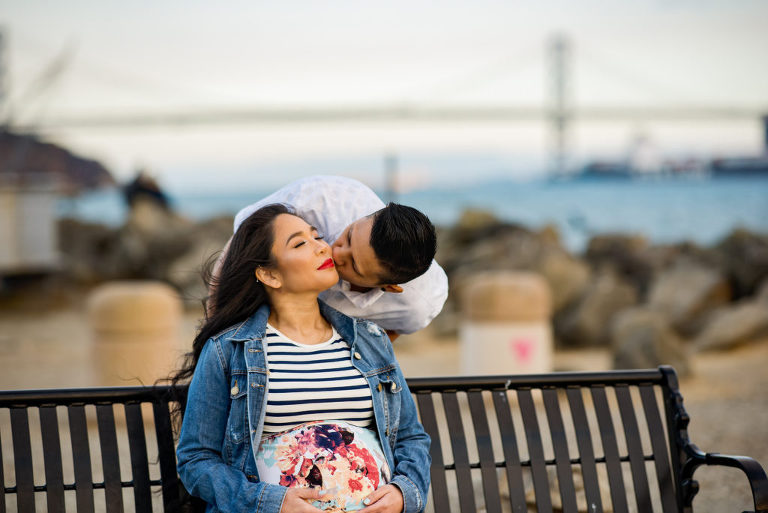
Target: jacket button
(378, 387)
(357, 355)
(235, 389)
(393, 387)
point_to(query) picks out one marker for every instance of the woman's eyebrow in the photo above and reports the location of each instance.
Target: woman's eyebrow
(302, 232)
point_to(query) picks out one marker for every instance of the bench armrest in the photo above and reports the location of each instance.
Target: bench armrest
(755, 473)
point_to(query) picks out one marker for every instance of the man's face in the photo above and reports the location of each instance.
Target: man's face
(354, 257)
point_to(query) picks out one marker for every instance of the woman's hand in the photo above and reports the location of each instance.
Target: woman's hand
(387, 499)
(296, 500)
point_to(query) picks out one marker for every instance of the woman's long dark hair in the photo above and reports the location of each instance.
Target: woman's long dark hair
(236, 292)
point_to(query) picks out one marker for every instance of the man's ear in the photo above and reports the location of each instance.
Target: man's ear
(395, 289)
(269, 277)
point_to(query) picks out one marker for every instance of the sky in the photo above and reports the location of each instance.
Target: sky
(87, 58)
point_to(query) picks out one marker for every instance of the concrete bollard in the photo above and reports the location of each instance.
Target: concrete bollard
(505, 327)
(135, 330)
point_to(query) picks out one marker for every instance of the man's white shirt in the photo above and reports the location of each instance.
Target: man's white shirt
(330, 204)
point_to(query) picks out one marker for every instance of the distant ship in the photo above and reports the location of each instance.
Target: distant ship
(739, 166)
(632, 168)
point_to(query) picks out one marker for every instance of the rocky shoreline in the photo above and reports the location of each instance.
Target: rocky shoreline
(650, 303)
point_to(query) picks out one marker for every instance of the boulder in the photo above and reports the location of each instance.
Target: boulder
(762, 293)
(686, 293)
(587, 322)
(622, 253)
(186, 272)
(743, 256)
(567, 276)
(152, 238)
(643, 339)
(744, 322)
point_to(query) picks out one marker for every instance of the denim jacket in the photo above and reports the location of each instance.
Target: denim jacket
(224, 416)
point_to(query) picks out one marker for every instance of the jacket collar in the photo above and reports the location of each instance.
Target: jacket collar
(254, 327)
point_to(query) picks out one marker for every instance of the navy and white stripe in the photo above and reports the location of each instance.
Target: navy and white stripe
(313, 382)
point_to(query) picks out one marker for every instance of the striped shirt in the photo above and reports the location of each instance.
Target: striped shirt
(309, 382)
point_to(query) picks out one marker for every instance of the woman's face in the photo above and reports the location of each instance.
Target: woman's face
(303, 260)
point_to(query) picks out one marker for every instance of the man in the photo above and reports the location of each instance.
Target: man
(384, 254)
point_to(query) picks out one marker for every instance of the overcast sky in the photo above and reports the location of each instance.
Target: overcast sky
(83, 58)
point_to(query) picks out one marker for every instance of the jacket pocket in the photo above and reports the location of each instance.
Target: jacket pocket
(389, 390)
(237, 423)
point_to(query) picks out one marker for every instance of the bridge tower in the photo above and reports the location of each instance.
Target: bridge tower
(559, 108)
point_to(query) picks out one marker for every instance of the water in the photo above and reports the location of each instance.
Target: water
(665, 211)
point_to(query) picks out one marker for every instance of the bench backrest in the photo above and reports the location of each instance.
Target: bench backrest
(564, 442)
(608, 441)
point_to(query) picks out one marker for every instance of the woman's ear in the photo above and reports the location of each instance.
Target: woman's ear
(269, 277)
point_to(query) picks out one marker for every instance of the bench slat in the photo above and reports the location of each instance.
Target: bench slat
(659, 446)
(54, 475)
(635, 447)
(610, 449)
(440, 499)
(511, 453)
(485, 452)
(110, 458)
(167, 456)
(22, 456)
(139, 464)
(560, 445)
(460, 455)
(2, 480)
(535, 450)
(81, 457)
(586, 450)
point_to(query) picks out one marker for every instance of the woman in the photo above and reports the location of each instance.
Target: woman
(294, 407)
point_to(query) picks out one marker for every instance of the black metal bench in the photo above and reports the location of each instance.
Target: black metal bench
(503, 443)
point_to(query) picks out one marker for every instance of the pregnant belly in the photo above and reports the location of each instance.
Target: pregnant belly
(344, 459)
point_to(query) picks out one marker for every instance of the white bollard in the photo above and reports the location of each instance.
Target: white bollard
(505, 327)
(135, 330)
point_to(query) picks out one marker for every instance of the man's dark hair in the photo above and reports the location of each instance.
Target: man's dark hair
(404, 241)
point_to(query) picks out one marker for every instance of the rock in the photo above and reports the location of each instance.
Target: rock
(743, 256)
(622, 253)
(152, 238)
(472, 220)
(88, 250)
(498, 246)
(587, 322)
(643, 339)
(762, 293)
(744, 322)
(186, 272)
(686, 294)
(568, 277)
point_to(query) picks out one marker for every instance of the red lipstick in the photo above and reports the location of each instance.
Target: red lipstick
(326, 265)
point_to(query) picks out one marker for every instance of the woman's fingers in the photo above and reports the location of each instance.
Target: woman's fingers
(296, 500)
(386, 499)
